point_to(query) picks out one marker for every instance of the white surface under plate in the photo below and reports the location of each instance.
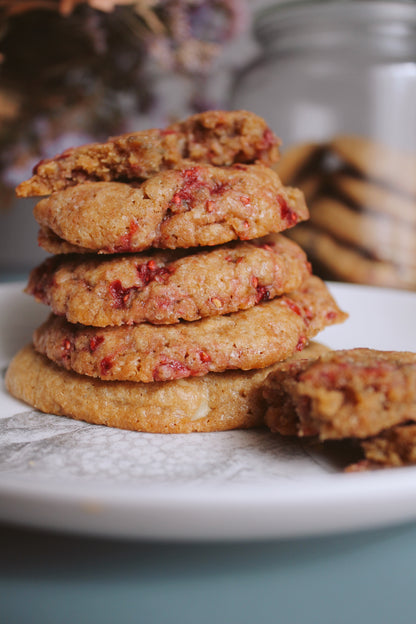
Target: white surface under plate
(61, 474)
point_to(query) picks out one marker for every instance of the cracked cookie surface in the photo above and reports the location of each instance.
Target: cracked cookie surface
(188, 207)
(213, 137)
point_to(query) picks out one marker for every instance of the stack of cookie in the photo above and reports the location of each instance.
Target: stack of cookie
(173, 293)
(362, 201)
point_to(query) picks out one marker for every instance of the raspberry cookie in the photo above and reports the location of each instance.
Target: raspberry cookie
(375, 198)
(214, 137)
(343, 262)
(168, 286)
(390, 449)
(392, 167)
(215, 402)
(261, 336)
(391, 240)
(195, 205)
(354, 393)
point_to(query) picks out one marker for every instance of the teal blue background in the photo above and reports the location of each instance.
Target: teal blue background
(366, 577)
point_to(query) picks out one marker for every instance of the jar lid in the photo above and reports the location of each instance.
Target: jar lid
(378, 24)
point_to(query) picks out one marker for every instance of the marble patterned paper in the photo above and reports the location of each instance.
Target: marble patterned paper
(42, 445)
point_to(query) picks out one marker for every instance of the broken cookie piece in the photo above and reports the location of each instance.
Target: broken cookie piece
(355, 393)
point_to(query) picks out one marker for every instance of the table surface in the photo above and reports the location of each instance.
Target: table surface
(361, 577)
(48, 578)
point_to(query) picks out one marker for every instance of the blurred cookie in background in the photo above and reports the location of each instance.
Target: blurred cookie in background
(362, 201)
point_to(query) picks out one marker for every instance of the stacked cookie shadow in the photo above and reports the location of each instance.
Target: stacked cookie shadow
(173, 292)
(362, 201)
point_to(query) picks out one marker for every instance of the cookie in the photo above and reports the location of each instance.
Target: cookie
(379, 237)
(373, 197)
(215, 402)
(196, 205)
(51, 243)
(341, 262)
(392, 167)
(311, 186)
(248, 339)
(297, 160)
(168, 286)
(353, 393)
(392, 448)
(214, 137)
(301, 166)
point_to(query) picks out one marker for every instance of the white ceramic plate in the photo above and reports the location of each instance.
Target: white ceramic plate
(61, 474)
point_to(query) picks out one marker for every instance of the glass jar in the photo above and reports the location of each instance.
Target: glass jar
(336, 80)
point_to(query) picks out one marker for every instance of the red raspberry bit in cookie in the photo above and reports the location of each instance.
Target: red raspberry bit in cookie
(219, 188)
(286, 212)
(149, 271)
(95, 343)
(133, 227)
(245, 200)
(267, 246)
(65, 154)
(308, 315)
(191, 175)
(254, 281)
(185, 197)
(106, 365)
(177, 199)
(204, 357)
(263, 294)
(231, 258)
(302, 342)
(38, 165)
(119, 294)
(170, 369)
(331, 315)
(162, 274)
(144, 272)
(125, 242)
(191, 183)
(182, 198)
(292, 305)
(66, 349)
(269, 139)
